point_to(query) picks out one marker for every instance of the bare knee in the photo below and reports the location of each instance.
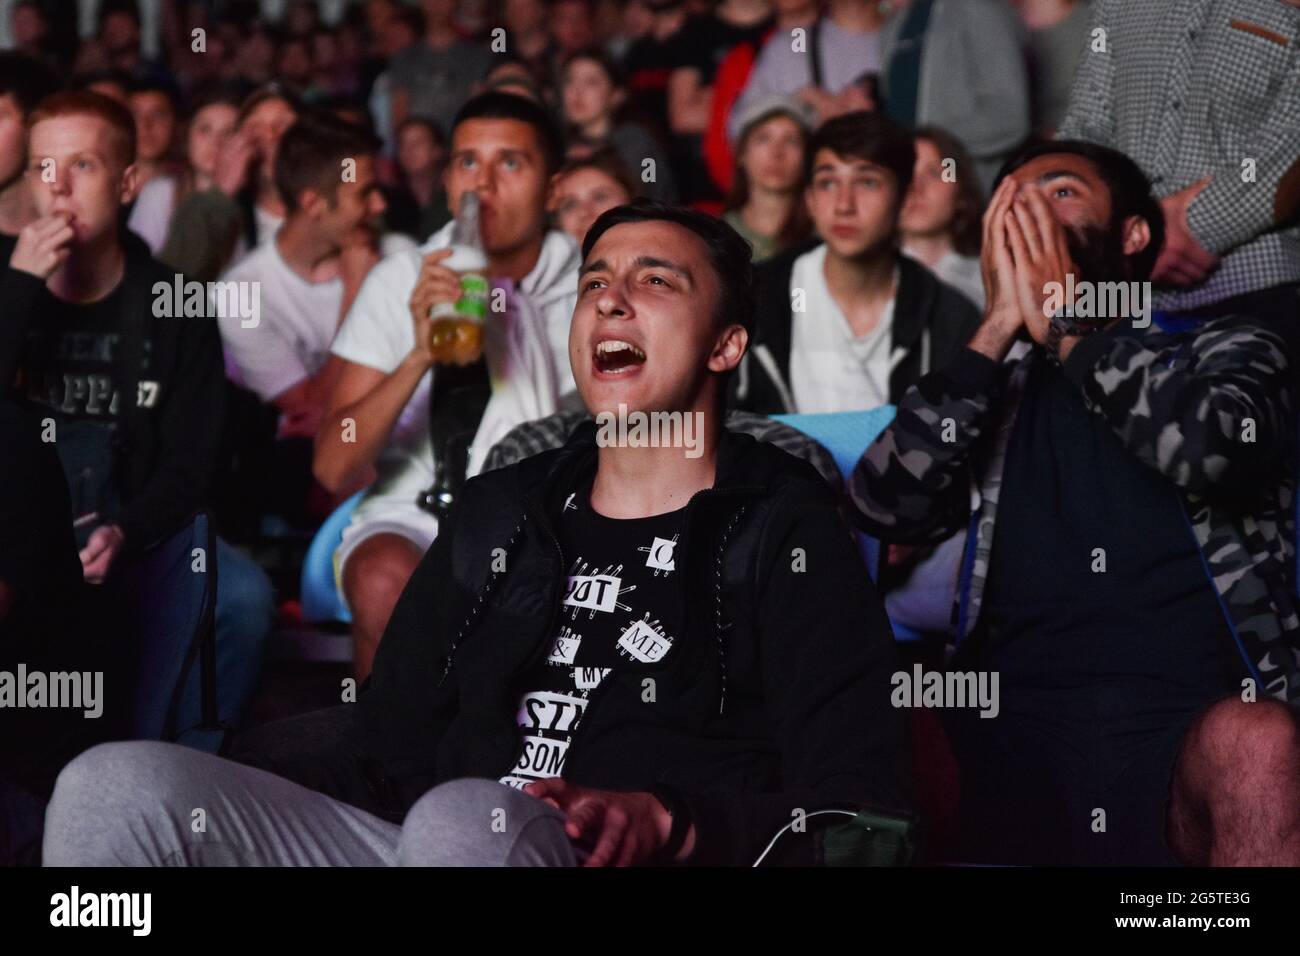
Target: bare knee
(1234, 734)
(1237, 784)
(376, 574)
(374, 577)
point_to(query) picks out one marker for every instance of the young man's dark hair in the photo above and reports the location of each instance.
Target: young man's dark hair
(227, 92)
(498, 105)
(312, 153)
(350, 109)
(729, 254)
(873, 137)
(435, 131)
(154, 85)
(270, 91)
(1130, 193)
(26, 79)
(611, 66)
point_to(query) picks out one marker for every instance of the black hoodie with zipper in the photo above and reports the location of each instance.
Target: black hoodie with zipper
(932, 321)
(774, 699)
(172, 380)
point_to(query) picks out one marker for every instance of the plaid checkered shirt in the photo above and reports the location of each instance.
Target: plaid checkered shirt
(1196, 88)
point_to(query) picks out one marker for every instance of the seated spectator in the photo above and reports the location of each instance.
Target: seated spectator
(134, 392)
(211, 124)
(310, 273)
(29, 25)
(584, 188)
(572, 25)
(703, 42)
(529, 41)
(330, 73)
(117, 46)
(417, 206)
(154, 108)
(216, 227)
(833, 71)
(633, 21)
(771, 699)
(592, 93)
(1058, 32)
(648, 63)
(847, 322)
(959, 65)
(24, 82)
(734, 72)
(940, 220)
(1133, 580)
(504, 148)
(294, 68)
(433, 77)
(766, 204)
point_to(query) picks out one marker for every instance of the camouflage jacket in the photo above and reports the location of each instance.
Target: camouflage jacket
(1212, 410)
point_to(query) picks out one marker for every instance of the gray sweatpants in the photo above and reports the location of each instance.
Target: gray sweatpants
(156, 804)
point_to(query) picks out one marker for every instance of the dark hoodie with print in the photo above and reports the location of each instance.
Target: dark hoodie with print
(774, 699)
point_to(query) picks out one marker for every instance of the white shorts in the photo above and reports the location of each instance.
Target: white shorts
(378, 517)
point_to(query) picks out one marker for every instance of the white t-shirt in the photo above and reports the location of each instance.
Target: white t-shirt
(296, 320)
(378, 332)
(266, 226)
(960, 272)
(151, 215)
(831, 369)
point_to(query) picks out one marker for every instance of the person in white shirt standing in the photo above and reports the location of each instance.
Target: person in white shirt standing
(308, 276)
(378, 427)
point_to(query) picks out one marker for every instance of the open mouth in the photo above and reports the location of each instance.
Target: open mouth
(613, 356)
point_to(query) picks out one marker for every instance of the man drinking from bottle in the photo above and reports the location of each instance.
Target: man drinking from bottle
(411, 427)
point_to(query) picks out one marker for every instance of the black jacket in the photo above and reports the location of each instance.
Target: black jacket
(168, 443)
(932, 321)
(775, 698)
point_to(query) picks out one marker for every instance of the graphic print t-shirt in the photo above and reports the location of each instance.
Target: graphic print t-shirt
(67, 367)
(621, 608)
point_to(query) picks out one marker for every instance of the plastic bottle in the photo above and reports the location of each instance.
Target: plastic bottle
(456, 333)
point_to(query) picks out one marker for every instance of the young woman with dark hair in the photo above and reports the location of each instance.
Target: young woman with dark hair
(940, 220)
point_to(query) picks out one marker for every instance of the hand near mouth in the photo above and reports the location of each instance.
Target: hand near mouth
(43, 245)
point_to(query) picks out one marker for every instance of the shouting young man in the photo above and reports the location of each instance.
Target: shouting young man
(614, 654)
(1129, 571)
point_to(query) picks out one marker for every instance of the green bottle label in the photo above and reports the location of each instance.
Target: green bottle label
(473, 301)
